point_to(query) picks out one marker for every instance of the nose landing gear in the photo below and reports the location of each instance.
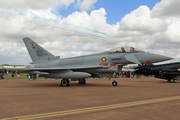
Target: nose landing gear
(114, 83)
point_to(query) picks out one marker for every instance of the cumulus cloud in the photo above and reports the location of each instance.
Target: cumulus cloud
(86, 4)
(140, 20)
(143, 28)
(42, 4)
(166, 8)
(49, 30)
(96, 20)
(167, 39)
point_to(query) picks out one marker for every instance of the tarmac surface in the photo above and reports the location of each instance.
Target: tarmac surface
(137, 99)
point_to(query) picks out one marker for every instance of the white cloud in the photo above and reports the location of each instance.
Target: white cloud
(166, 8)
(167, 39)
(96, 20)
(141, 28)
(17, 26)
(40, 4)
(86, 4)
(140, 20)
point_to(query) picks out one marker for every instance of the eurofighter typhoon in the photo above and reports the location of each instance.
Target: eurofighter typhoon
(78, 68)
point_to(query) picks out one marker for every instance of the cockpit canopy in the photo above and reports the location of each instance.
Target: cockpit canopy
(125, 49)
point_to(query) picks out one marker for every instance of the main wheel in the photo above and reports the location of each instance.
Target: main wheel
(169, 80)
(172, 80)
(114, 83)
(82, 81)
(64, 82)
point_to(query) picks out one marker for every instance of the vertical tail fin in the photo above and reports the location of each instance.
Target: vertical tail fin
(37, 53)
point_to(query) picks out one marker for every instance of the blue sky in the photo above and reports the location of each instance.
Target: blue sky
(115, 9)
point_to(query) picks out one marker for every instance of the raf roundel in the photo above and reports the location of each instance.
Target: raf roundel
(103, 59)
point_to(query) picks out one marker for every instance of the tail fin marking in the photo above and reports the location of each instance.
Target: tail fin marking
(36, 52)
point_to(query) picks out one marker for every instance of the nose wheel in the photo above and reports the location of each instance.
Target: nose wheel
(114, 83)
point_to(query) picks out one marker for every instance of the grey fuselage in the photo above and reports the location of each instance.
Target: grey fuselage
(93, 65)
(113, 63)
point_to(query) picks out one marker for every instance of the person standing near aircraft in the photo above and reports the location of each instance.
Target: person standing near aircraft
(34, 76)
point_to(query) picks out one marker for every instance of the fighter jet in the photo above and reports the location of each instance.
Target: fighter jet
(79, 68)
(169, 72)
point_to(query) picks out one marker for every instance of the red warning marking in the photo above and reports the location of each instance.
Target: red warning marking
(113, 64)
(148, 62)
(103, 63)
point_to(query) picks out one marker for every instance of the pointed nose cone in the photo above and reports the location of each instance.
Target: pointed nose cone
(158, 58)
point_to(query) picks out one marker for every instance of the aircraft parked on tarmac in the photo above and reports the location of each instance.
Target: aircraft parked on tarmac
(169, 72)
(78, 68)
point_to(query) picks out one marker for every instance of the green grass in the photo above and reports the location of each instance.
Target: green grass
(21, 76)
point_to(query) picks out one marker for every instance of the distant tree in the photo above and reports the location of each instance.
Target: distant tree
(5, 64)
(132, 67)
(125, 67)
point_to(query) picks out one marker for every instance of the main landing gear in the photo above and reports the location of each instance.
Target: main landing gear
(172, 80)
(64, 82)
(82, 81)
